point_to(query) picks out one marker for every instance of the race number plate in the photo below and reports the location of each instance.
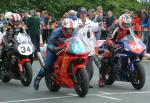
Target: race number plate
(25, 49)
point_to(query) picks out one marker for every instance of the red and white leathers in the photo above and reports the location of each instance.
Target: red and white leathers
(87, 32)
(118, 30)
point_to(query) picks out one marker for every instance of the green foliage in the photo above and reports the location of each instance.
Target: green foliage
(59, 7)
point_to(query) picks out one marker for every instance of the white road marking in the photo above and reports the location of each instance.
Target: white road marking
(36, 99)
(73, 94)
(108, 93)
(103, 94)
(109, 97)
(100, 95)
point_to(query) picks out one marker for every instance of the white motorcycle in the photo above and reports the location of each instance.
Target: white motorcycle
(17, 59)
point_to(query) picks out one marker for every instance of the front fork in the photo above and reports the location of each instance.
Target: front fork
(73, 74)
(132, 65)
(21, 63)
(74, 70)
(133, 69)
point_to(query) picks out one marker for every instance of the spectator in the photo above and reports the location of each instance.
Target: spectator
(110, 19)
(146, 26)
(51, 23)
(100, 16)
(43, 15)
(136, 22)
(25, 17)
(33, 25)
(39, 14)
(72, 15)
(65, 15)
(85, 29)
(48, 21)
(91, 14)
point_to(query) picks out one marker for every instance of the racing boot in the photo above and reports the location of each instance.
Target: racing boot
(101, 83)
(38, 78)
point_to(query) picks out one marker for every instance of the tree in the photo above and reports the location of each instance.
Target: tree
(58, 7)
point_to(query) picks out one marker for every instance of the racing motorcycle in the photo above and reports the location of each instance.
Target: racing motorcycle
(69, 68)
(17, 59)
(125, 62)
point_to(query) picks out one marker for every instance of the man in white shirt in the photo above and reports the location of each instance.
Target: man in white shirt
(86, 29)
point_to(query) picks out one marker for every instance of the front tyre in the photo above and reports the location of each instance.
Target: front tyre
(138, 77)
(82, 85)
(26, 80)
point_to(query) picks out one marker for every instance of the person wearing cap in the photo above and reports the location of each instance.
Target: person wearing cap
(85, 29)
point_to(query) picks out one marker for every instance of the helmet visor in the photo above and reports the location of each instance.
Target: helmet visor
(69, 30)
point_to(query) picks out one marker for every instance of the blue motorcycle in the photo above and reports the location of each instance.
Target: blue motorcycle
(125, 62)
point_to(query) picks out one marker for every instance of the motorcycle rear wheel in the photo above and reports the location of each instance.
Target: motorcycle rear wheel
(51, 85)
(6, 79)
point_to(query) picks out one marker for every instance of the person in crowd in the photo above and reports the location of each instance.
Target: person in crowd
(110, 19)
(100, 16)
(72, 14)
(91, 14)
(42, 16)
(136, 23)
(25, 17)
(38, 14)
(146, 29)
(33, 26)
(66, 15)
(48, 21)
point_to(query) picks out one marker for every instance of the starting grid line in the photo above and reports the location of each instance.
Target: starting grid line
(100, 94)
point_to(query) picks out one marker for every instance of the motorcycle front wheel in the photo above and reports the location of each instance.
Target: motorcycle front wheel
(82, 85)
(138, 76)
(26, 80)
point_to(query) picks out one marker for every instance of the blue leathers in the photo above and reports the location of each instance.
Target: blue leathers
(51, 56)
(53, 42)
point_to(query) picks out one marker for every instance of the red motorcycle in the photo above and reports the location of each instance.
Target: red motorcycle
(69, 68)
